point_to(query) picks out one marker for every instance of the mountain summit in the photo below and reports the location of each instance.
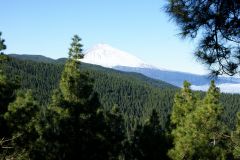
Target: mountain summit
(107, 56)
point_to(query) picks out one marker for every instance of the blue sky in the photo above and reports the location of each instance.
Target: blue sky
(139, 27)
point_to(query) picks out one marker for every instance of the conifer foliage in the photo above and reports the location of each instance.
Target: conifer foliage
(200, 132)
(148, 141)
(2, 44)
(76, 126)
(17, 117)
(216, 25)
(21, 118)
(75, 51)
(236, 139)
(7, 91)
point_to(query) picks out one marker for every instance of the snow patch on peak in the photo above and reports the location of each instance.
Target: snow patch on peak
(107, 56)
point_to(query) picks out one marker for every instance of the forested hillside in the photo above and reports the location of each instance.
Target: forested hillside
(135, 94)
(65, 109)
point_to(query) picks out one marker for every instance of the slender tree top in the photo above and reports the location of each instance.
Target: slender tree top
(75, 51)
(213, 94)
(2, 45)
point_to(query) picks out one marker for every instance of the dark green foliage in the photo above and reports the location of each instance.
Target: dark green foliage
(148, 141)
(75, 87)
(41, 78)
(17, 116)
(2, 45)
(37, 58)
(75, 51)
(236, 139)
(70, 131)
(75, 128)
(21, 118)
(216, 25)
(7, 90)
(231, 104)
(115, 133)
(136, 95)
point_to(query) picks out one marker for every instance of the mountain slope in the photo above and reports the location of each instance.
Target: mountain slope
(107, 56)
(135, 94)
(37, 58)
(110, 57)
(176, 78)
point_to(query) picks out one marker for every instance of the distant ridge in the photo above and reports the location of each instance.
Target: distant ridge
(40, 58)
(107, 56)
(37, 58)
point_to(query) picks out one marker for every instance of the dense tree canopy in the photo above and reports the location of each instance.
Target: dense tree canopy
(217, 23)
(236, 139)
(73, 124)
(7, 90)
(149, 141)
(199, 132)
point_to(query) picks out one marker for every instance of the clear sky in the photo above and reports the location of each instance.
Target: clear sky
(139, 27)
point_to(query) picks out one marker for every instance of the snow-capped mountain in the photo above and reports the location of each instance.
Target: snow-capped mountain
(107, 56)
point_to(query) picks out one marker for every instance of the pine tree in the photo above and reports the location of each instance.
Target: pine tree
(21, 118)
(75, 51)
(2, 45)
(216, 25)
(7, 90)
(202, 134)
(17, 115)
(184, 103)
(74, 127)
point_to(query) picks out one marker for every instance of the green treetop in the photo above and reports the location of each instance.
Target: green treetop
(2, 45)
(202, 134)
(73, 127)
(75, 51)
(184, 103)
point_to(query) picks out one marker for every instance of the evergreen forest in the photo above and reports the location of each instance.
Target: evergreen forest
(64, 109)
